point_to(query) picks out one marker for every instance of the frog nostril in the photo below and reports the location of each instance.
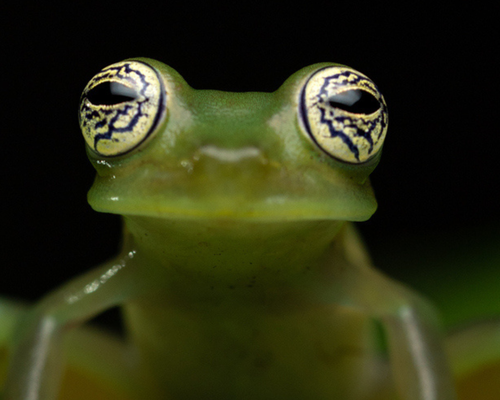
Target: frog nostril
(225, 155)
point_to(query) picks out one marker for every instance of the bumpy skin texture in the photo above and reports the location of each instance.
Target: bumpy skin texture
(239, 276)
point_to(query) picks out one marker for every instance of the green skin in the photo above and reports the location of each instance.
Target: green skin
(240, 275)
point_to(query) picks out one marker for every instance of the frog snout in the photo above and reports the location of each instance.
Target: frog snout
(229, 155)
(226, 166)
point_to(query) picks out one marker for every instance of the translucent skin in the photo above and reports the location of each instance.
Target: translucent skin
(240, 275)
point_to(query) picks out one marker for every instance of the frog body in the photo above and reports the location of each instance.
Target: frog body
(262, 322)
(240, 274)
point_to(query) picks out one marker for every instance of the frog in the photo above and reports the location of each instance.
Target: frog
(241, 274)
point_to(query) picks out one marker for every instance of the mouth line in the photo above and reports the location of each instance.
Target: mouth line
(277, 208)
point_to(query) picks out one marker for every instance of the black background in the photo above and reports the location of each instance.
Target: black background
(437, 67)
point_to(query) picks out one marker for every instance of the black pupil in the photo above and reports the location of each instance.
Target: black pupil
(109, 93)
(355, 101)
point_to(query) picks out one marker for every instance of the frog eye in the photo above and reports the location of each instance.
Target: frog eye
(121, 107)
(344, 114)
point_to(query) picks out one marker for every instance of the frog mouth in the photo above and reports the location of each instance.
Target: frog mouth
(241, 197)
(231, 183)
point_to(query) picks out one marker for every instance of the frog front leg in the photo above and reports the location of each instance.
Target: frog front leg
(418, 361)
(419, 365)
(35, 366)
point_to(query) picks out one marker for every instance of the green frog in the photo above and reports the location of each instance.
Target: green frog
(241, 275)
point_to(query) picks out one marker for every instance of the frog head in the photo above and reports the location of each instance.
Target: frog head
(163, 149)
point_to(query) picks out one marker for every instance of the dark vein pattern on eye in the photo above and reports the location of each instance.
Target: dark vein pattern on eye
(109, 117)
(358, 126)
